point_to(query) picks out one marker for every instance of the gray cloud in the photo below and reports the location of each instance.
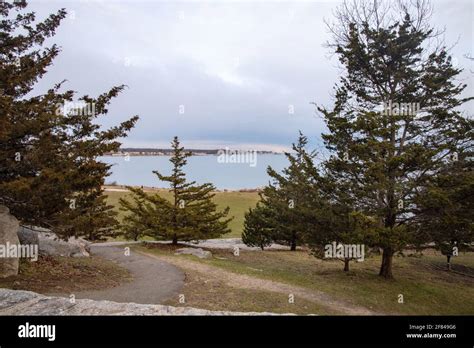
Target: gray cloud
(236, 67)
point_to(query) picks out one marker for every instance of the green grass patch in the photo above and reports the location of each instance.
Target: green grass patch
(238, 202)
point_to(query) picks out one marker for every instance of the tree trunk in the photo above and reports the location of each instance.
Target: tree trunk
(386, 267)
(346, 265)
(293, 242)
(448, 262)
(175, 240)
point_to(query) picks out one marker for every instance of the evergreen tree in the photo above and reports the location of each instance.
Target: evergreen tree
(48, 152)
(91, 218)
(145, 215)
(30, 133)
(86, 143)
(335, 221)
(190, 215)
(288, 205)
(445, 208)
(395, 117)
(257, 231)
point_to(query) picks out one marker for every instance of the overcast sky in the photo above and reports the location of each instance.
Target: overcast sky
(236, 68)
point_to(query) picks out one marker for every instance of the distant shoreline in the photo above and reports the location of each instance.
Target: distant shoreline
(168, 152)
(123, 188)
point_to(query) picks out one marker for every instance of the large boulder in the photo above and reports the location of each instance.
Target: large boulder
(8, 236)
(50, 244)
(202, 254)
(28, 236)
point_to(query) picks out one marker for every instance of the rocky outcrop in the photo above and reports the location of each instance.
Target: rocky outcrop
(8, 237)
(202, 254)
(50, 244)
(18, 302)
(232, 244)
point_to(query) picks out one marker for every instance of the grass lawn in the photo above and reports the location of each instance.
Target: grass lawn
(201, 291)
(239, 203)
(426, 289)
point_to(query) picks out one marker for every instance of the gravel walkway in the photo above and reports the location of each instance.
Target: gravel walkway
(154, 281)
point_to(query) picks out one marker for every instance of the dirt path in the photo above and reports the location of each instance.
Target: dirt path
(250, 282)
(154, 281)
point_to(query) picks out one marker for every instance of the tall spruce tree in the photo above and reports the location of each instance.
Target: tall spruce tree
(190, 215)
(396, 114)
(49, 172)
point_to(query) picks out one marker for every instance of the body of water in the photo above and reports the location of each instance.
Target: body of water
(138, 170)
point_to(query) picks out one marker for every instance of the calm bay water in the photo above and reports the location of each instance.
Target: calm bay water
(138, 170)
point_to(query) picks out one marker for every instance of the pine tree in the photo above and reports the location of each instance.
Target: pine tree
(145, 215)
(88, 173)
(395, 117)
(288, 205)
(445, 208)
(30, 137)
(257, 231)
(91, 217)
(335, 221)
(48, 153)
(190, 215)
